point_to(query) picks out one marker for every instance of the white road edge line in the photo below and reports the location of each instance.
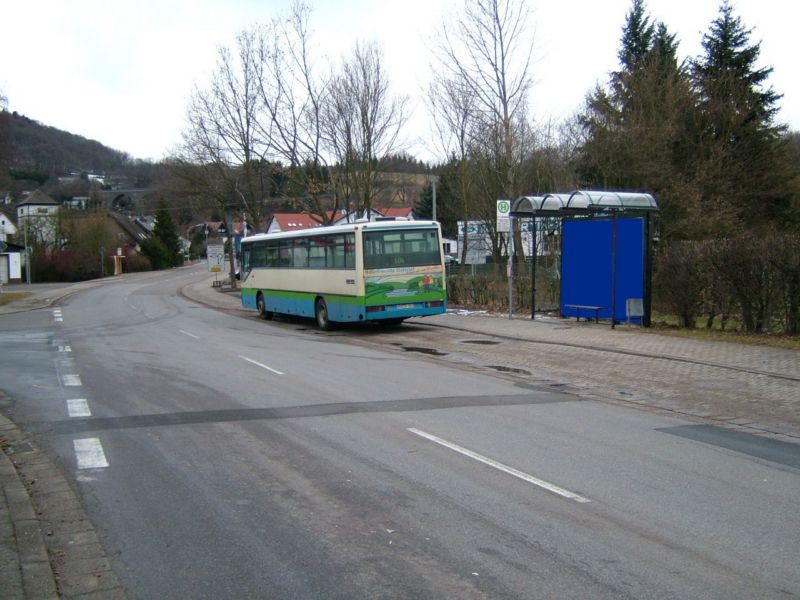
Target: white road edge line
(90, 455)
(78, 407)
(191, 335)
(255, 362)
(501, 467)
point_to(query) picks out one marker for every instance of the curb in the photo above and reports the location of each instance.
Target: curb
(43, 300)
(58, 552)
(34, 577)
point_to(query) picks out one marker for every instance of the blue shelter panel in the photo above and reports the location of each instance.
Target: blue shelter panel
(586, 273)
(630, 265)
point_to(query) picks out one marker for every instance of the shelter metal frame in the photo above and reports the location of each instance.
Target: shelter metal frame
(592, 204)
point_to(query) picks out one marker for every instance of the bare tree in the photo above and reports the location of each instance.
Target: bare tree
(489, 50)
(452, 105)
(223, 151)
(293, 91)
(362, 122)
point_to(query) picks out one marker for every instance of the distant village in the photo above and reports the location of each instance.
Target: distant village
(37, 215)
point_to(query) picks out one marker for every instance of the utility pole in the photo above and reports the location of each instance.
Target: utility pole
(27, 250)
(433, 199)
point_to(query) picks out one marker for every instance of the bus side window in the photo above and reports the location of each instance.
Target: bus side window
(284, 255)
(300, 254)
(350, 251)
(335, 256)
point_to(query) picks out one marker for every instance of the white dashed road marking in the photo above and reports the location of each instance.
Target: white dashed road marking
(501, 467)
(71, 380)
(191, 335)
(78, 407)
(255, 362)
(89, 453)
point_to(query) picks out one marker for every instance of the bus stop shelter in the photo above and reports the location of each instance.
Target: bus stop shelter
(598, 216)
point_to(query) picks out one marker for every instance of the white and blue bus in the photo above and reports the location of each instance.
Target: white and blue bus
(383, 271)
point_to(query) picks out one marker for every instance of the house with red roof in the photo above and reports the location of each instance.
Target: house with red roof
(398, 212)
(292, 221)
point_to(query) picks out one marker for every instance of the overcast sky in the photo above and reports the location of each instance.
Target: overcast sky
(121, 71)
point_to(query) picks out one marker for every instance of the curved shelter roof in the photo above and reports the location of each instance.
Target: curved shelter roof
(582, 201)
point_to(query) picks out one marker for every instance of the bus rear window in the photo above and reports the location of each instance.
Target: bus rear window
(405, 248)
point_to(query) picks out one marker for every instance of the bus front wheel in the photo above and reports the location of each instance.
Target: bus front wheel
(261, 304)
(321, 313)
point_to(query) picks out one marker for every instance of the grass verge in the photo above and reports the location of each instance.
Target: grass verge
(9, 297)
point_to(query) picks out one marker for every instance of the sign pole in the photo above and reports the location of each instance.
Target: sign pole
(504, 226)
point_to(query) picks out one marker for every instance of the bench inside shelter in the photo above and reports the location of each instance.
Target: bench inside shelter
(586, 307)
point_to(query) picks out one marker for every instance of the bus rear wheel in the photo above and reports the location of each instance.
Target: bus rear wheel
(261, 304)
(321, 314)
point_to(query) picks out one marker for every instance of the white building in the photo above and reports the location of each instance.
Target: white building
(36, 216)
(7, 227)
(479, 242)
(10, 263)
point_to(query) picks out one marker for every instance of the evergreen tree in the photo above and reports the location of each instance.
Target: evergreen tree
(745, 176)
(163, 248)
(445, 206)
(637, 37)
(729, 82)
(637, 130)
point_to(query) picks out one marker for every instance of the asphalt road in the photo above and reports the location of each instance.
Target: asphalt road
(219, 456)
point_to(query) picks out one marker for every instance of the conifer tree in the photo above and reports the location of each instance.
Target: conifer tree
(166, 231)
(163, 248)
(636, 129)
(745, 177)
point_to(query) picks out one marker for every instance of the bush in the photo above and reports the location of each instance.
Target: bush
(65, 265)
(754, 275)
(136, 263)
(155, 251)
(679, 280)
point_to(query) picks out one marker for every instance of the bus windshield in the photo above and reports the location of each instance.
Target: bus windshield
(404, 248)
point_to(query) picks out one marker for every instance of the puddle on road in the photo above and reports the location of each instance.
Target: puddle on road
(504, 369)
(430, 351)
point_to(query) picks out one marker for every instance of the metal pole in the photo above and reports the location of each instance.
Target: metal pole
(232, 248)
(533, 268)
(27, 250)
(613, 269)
(510, 267)
(648, 268)
(433, 199)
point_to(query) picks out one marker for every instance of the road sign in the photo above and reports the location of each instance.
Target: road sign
(216, 258)
(504, 216)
